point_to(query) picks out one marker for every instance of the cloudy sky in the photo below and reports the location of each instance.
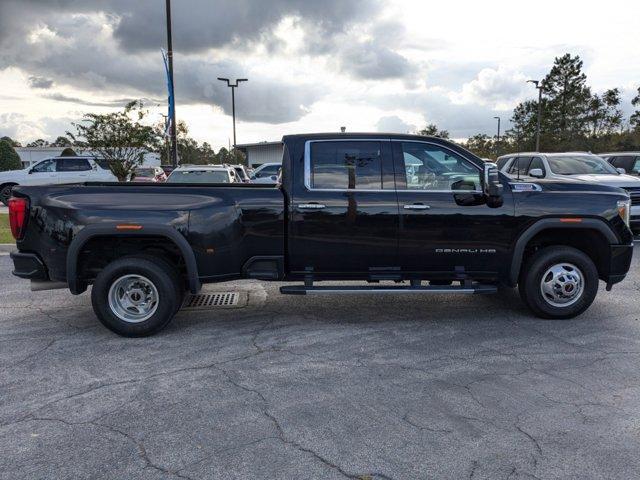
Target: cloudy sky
(387, 65)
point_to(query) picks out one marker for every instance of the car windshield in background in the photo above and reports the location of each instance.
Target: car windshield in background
(145, 172)
(199, 176)
(580, 165)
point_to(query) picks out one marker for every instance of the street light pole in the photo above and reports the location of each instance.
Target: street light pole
(538, 85)
(233, 87)
(172, 108)
(498, 138)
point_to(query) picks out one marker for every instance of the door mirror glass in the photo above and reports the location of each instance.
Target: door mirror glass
(536, 172)
(621, 170)
(492, 186)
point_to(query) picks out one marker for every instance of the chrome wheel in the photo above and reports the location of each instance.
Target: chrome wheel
(133, 298)
(562, 285)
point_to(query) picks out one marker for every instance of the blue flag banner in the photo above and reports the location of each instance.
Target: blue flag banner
(167, 131)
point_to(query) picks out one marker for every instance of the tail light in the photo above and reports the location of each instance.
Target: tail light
(18, 208)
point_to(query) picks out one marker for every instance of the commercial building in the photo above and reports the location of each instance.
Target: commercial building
(262, 152)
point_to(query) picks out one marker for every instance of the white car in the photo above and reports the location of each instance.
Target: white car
(266, 173)
(55, 171)
(203, 174)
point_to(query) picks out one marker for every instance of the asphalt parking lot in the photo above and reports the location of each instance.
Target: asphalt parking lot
(321, 387)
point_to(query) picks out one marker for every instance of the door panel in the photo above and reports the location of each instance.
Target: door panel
(445, 224)
(345, 220)
(43, 173)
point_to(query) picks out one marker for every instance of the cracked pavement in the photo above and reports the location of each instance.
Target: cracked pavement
(357, 387)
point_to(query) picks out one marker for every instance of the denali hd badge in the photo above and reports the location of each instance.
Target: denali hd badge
(465, 250)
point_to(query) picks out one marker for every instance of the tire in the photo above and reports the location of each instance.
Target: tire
(5, 193)
(136, 296)
(558, 282)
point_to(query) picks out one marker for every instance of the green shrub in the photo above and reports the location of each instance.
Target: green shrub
(9, 159)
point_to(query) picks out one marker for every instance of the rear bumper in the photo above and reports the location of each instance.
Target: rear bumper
(620, 261)
(28, 265)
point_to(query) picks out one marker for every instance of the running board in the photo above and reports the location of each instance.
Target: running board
(330, 290)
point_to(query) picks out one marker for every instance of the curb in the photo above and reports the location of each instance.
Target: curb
(5, 248)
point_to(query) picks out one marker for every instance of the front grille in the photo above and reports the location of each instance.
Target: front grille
(634, 193)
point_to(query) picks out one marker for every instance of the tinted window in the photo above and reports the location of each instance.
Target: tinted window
(520, 166)
(198, 176)
(502, 162)
(346, 165)
(45, 166)
(73, 165)
(536, 163)
(636, 166)
(431, 167)
(102, 163)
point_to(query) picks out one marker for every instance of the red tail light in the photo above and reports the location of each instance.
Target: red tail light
(18, 208)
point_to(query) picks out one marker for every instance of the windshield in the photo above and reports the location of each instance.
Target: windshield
(199, 176)
(580, 164)
(145, 172)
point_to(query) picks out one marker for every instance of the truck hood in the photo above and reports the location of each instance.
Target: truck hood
(620, 181)
(11, 175)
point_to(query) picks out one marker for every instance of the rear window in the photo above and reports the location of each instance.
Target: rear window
(198, 176)
(145, 172)
(346, 165)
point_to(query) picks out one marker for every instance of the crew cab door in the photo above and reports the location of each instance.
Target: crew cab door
(446, 225)
(43, 173)
(343, 216)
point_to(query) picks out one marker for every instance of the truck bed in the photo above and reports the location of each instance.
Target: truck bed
(225, 224)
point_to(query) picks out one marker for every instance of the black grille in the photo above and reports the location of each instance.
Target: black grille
(634, 193)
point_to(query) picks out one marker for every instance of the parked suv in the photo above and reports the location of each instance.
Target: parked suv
(576, 166)
(54, 171)
(629, 161)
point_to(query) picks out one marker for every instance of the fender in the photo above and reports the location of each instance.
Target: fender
(547, 223)
(109, 230)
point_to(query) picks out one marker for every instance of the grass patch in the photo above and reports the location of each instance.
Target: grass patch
(5, 230)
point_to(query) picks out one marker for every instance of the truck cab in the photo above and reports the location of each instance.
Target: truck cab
(401, 214)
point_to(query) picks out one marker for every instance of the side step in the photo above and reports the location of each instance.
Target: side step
(331, 290)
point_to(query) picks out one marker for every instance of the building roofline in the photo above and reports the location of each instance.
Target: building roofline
(259, 144)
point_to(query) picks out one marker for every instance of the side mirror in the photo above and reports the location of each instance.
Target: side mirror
(536, 172)
(492, 187)
(621, 170)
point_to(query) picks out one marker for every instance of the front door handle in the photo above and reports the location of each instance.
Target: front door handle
(417, 206)
(311, 206)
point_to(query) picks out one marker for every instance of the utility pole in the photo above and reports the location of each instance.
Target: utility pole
(498, 138)
(538, 85)
(233, 87)
(172, 100)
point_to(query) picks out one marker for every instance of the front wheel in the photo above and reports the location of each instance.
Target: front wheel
(136, 296)
(558, 282)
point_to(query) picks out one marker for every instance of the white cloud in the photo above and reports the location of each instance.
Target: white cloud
(500, 88)
(394, 124)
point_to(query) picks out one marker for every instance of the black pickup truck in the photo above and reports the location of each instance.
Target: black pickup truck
(419, 214)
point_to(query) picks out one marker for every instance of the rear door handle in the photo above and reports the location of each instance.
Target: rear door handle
(311, 206)
(417, 206)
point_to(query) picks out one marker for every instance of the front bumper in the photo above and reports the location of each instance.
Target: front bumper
(28, 265)
(619, 263)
